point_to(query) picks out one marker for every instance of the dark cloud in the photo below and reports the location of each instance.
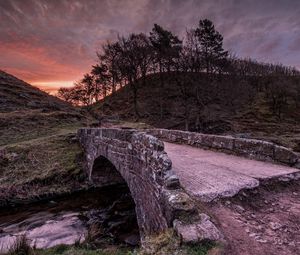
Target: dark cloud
(44, 41)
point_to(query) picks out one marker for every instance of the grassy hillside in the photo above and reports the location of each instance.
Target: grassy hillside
(38, 154)
(27, 112)
(17, 95)
(227, 106)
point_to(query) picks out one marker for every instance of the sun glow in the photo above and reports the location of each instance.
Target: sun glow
(52, 86)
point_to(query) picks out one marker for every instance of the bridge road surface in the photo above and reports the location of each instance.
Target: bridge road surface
(207, 175)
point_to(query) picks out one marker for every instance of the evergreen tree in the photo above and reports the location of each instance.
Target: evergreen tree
(166, 46)
(211, 43)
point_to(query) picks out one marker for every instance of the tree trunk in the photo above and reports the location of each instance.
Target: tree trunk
(187, 115)
(161, 91)
(113, 86)
(134, 93)
(197, 123)
(186, 124)
(135, 103)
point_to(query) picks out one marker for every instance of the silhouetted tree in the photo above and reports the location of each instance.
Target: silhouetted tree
(211, 43)
(67, 94)
(182, 79)
(87, 89)
(101, 85)
(134, 62)
(82, 93)
(192, 50)
(166, 47)
(109, 57)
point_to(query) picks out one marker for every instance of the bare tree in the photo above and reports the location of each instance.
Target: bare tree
(109, 57)
(278, 94)
(182, 79)
(134, 62)
(101, 80)
(166, 47)
(67, 94)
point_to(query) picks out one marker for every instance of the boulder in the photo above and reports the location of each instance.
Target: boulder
(199, 231)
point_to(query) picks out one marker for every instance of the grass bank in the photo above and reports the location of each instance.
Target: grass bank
(41, 167)
(166, 243)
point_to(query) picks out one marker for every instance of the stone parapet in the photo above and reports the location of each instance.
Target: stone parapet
(250, 148)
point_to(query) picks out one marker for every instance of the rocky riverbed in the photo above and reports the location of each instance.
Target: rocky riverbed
(103, 216)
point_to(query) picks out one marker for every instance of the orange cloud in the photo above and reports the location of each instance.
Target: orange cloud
(55, 41)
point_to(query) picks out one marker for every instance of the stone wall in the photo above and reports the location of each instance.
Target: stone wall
(141, 160)
(250, 148)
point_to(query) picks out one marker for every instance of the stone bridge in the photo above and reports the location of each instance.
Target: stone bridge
(204, 168)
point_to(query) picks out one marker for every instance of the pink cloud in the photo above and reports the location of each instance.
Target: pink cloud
(50, 41)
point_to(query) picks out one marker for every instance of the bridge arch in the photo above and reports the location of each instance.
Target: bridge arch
(144, 193)
(141, 161)
(105, 173)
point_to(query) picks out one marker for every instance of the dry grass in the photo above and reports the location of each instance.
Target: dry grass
(38, 156)
(167, 243)
(18, 95)
(21, 246)
(259, 123)
(25, 125)
(107, 122)
(45, 165)
(64, 250)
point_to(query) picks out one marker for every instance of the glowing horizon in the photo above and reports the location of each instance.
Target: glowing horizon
(53, 43)
(52, 86)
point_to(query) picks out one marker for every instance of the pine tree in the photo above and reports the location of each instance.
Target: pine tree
(165, 45)
(211, 43)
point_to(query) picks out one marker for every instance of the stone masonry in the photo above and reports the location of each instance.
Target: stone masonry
(250, 148)
(160, 201)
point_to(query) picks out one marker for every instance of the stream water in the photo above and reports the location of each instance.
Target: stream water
(108, 212)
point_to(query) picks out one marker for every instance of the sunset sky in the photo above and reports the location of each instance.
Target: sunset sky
(53, 43)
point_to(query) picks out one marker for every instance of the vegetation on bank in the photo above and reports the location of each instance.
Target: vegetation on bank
(40, 167)
(19, 126)
(39, 156)
(163, 244)
(22, 247)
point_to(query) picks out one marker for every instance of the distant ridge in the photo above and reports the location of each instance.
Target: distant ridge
(27, 112)
(16, 94)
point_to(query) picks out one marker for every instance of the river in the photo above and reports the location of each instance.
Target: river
(67, 220)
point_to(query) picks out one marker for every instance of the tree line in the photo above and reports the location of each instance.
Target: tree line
(129, 59)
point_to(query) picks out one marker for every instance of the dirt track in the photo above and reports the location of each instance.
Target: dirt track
(261, 222)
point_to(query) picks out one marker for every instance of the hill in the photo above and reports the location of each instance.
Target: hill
(222, 105)
(16, 94)
(39, 156)
(27, 112)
